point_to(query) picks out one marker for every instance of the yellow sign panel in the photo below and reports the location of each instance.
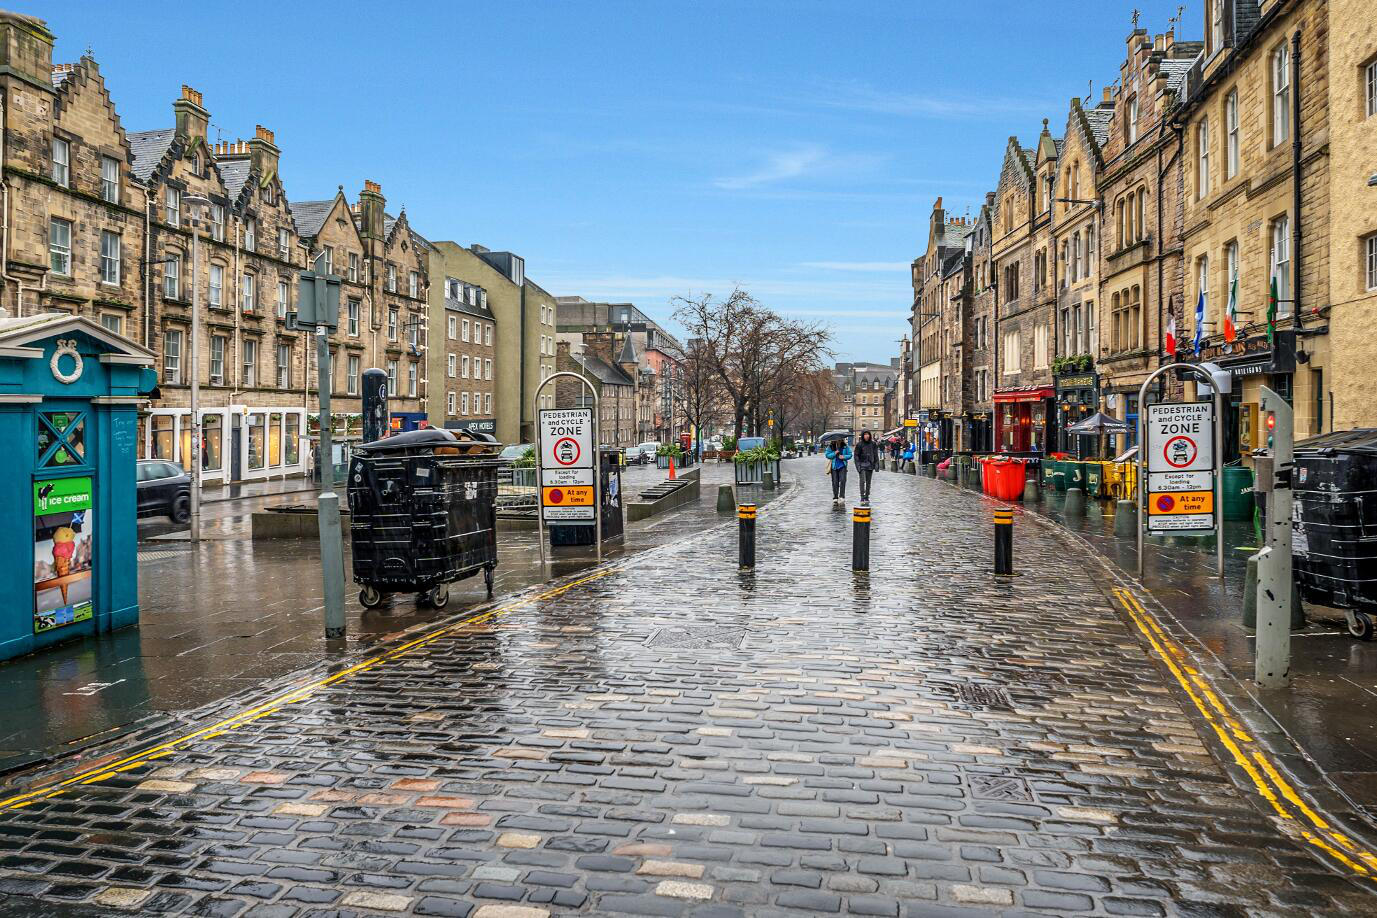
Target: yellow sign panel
(572, 496)
(1180, 502)
(910, 422)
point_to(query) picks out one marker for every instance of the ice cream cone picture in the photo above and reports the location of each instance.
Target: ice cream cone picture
(64, 544)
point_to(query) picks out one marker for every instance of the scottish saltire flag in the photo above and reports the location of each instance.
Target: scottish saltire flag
(1199, 322)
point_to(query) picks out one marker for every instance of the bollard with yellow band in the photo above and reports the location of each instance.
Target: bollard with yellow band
(745, 516)
(1004, 541)
(860, 539)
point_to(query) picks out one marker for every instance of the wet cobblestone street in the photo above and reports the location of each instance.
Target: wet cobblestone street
(666, 735)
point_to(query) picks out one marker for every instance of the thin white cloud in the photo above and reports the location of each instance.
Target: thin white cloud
(854, 95)
(620, 288)
(803, 161)
(867, 266)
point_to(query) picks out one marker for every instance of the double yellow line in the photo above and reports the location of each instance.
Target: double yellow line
(301, 693)
(1284, 800)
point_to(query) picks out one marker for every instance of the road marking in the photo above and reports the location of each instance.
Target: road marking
(301, 693)
(1266, 777)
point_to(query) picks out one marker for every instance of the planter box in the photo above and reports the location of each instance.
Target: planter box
(753, 473)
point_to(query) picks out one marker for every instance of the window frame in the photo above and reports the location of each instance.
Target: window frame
(172, 206)
(1202, 159)
(284, 367)
(1231, 145)
(1280, 61)
(248, 364)
(1369, 254)
(109, 187)
(62, 163)
(215, 294)
(56, 250)
(106, 276)
(1279, 243)
(217, 376)
(172, 272)
(351, 375)
(172, 357)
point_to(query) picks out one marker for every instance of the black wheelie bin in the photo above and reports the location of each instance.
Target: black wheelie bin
(423, 513)
(1334, 524)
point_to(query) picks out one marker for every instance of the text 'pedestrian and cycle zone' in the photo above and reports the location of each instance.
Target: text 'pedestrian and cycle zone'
(1180, 451)
(566, 465)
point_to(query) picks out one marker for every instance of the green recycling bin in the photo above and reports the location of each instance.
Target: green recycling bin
(1237, 485)
(1075, 475)
(1059, 474)
(1048, 467)
(1094, 479)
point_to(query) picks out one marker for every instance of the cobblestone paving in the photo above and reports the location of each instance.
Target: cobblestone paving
(675, 737)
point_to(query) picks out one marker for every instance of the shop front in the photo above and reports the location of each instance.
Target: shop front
(474, 425)
(1021, 419)
(408, 420)
(239, 442)
(979, 437)
(69, 397)
(1078, 397)
(1254, 362)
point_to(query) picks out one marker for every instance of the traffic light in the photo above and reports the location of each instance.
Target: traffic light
(1271, 426)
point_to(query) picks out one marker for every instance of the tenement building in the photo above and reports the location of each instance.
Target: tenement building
(1139, 235)
(1255, 123)
(939, 291)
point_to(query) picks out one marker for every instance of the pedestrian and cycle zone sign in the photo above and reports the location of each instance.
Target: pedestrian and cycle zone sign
(567, 465)
(1181, 471)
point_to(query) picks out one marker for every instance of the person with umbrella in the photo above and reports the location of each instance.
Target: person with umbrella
(838, 454)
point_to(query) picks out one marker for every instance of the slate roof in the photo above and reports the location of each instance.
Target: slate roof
(601, 371)
(1100, 118)
(1175, 70)
(235, 172)
(310, 216)
(148, 149)
(628, 354)
(417, 239)
(952, 264)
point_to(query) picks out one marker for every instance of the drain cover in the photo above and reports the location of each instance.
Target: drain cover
(698, 638)
(999, 787)
(985, 696)
(161, 554)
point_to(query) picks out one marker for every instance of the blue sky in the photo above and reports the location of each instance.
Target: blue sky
(636, 150)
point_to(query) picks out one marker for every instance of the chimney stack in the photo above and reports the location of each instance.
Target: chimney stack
(265, 153)
(371, 206)
(191, 118)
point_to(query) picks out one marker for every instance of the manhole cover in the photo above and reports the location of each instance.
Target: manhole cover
(999, 787)
(985, 696)
(698, 638)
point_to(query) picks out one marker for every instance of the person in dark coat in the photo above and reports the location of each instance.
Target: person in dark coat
(838, 455)
(867, 458)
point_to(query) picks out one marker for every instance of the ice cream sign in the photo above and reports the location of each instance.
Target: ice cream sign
(64, 543)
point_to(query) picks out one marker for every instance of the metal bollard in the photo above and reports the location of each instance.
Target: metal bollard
(745, 515)
(860, 539)
(1004, 541)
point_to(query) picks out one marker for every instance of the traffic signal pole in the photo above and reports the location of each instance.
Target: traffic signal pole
(1272, 668)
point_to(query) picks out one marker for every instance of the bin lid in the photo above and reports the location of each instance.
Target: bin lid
(1359, 440)
(411, 439)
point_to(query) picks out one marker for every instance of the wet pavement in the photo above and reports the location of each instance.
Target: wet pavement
(666, 735)
(1331, 705)
(222, 617)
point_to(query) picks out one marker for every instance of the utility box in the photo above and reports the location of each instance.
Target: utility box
(69, 397)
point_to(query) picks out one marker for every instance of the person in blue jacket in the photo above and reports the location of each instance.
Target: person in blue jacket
(908, 453)
(838, 455)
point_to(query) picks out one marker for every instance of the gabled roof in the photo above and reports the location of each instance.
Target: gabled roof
(953, 262)
(310, 216)
(148, 149)
(390, 223)
(602, 372)
(1098, 121)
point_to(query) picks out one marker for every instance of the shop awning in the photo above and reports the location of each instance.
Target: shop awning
(1035, 394)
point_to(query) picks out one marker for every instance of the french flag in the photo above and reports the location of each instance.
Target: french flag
(1171, 335)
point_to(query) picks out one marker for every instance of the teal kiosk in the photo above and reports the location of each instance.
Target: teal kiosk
(69, 397)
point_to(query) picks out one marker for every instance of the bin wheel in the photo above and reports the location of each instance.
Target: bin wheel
(1360, 626)
(487, 580)
(370, 597)
(438, 596)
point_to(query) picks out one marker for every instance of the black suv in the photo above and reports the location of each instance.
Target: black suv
(164, 490)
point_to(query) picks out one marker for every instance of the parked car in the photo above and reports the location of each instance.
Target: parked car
(631, 455)
(746, 443)
(164, 489)
(508, 457)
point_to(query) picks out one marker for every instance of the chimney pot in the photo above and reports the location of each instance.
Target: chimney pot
(263, 133)
(372, 186)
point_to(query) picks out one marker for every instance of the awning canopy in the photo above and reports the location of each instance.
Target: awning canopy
(1036, 394)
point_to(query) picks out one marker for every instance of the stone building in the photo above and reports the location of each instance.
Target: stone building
(1075, 270)
(463, 349)
(936, 321)
(1256, 207)
(1352, 80)
(977, 431)
(1140, 227)
(1022, 390)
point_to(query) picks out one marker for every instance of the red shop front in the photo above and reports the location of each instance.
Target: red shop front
(1021, 419)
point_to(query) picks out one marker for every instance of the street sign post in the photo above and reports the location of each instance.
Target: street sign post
(567, 464)
(1178, 463)
(1181, 468)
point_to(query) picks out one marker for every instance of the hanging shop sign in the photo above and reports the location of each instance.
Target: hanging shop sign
(1181, 467)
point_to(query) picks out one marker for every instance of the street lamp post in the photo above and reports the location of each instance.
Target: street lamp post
(195, 202)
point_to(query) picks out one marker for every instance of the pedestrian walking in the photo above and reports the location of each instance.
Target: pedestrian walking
(907, 456)
(867, 457)
(838, 455)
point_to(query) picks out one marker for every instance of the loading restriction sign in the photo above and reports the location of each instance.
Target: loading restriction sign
(568, 491)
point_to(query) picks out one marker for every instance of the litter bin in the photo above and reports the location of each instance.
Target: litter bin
(562, 534)
(1059, 474)
(1334, 523)
(423, 513)
(1237, 485)
(1075, 475)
